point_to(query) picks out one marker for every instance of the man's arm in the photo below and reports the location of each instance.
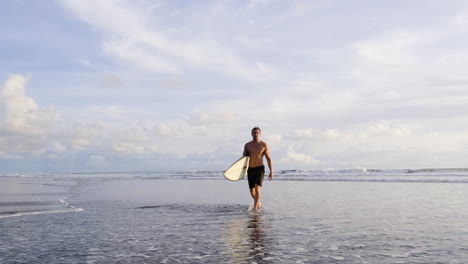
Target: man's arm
(268, 158)
(246, 153)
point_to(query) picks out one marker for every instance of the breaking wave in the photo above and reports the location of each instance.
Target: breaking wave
(445, 175)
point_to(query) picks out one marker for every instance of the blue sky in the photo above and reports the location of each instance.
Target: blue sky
(177, 85)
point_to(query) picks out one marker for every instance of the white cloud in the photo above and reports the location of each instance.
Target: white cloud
(20, 113)
(256, 3)
(128, 147)
(59, 147)
(274, 139)
(389, 127)
(140, 57)
(392, 52)
(85, 63)
(174, 83)
(296, 159)
(98, 161)
(378, 91)
(405, 59)
(164, 130)
(137, 138)
(24, 125)
(130, 37)
(461, 20)
(317, 134)
(110, 80)
(52, 156)
(84, 135)
(113, 112)
(212, 118)
(303, 7)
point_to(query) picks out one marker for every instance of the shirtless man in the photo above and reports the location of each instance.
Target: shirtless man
(256, 149)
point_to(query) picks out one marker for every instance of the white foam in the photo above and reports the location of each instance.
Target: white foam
(43, 212)
(62, 201)
(333, 248)
(132, 255)
(337, 257)
(359, 174)
(152, 248)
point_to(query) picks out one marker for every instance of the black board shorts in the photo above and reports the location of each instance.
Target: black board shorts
(255, 176)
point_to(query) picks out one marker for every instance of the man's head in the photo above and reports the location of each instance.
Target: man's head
(256, 132)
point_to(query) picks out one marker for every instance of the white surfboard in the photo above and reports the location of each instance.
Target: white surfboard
(238, 169)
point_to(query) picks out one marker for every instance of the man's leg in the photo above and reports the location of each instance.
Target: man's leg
(257, 196)
(253, 193)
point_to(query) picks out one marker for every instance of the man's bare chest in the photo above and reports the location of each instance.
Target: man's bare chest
(255, 149)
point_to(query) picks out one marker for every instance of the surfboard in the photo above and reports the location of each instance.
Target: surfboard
(238, 169)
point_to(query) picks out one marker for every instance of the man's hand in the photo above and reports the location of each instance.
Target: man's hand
(271, 176)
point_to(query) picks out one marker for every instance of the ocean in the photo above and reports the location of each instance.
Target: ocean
(307, 216)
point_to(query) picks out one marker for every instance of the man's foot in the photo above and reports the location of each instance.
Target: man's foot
(258, 208)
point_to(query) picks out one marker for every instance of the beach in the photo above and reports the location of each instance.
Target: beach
(126, 125)
(203, 218)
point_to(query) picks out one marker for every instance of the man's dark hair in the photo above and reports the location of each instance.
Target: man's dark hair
(256, 127)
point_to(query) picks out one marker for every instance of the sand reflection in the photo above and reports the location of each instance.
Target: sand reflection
(246, 238)
(256, 237)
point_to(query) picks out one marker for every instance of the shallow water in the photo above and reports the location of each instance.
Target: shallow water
(208, 221)
(20, 197)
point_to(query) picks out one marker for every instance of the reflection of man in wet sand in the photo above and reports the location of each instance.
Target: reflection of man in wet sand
(252, 248)
(257, 239)
(256, 149)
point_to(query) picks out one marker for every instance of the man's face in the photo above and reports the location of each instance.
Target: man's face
(256, 134)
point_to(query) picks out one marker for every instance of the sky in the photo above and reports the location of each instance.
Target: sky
(145, 85)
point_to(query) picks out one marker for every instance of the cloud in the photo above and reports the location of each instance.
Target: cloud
(174, 83)
(256, 3)
(293, 158)
(128, 147)
(112, 81)
(303, 7)
(413, 74)
(130, 37)
(51, 156)
(59, 147)
(140, 57)
(112, 112)
(20, 114)
(24, 125)
(29, 129)
(212, 118)
(389, 127)
(84, 135)
(274, 139)
(164, 130)
(138, 138)
(98, 161)
(402, 58)
(317, 134)
(392, 52)
(85, 63)
(461, 20)
(181, 77)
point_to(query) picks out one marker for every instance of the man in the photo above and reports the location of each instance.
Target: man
(256, 149)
